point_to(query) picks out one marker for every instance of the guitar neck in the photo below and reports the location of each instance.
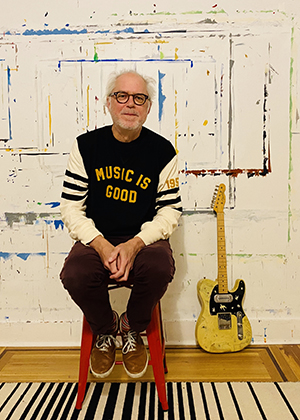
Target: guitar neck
(222, 263)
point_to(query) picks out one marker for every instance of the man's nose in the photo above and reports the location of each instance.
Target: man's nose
(130, 101)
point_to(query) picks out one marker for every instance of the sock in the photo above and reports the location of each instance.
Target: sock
(114, 326)
(125, 327)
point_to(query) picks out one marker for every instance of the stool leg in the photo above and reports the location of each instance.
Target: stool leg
(156, 353)
(86, 346)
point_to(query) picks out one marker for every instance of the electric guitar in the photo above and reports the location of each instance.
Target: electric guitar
(222, 325)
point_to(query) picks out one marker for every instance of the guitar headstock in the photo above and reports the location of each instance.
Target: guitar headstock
(218, 200)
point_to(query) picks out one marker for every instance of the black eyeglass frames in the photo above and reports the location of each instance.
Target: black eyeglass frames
(123, 97)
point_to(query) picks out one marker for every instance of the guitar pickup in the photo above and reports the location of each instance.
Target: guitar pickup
(223, 298)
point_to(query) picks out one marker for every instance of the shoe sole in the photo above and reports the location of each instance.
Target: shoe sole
(101, 375)
(137, 375)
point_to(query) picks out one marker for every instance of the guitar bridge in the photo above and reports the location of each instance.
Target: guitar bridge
(224, 321)
(240, 330)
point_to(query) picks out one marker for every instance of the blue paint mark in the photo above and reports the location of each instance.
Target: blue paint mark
(23, 255)
(161, 96)
(119, 31)
(58, 223)
(8, 92)
(109, 60)
(53, 204)
(5, 255)
(67, 31)
(64, 31)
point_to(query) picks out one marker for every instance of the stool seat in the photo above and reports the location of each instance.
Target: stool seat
(156, 345)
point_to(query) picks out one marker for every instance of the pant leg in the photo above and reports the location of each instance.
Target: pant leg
(86, 279)
(153, 270)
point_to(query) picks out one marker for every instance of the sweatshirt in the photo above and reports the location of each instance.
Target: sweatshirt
(113, 188)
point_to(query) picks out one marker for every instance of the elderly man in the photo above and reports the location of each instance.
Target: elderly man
(120, 203)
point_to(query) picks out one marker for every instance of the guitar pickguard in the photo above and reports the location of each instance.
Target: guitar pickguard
(233, 305)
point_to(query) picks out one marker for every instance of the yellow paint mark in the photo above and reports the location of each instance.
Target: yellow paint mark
(205, 123)
(50, 118)
(103, 43)
(207, 72)
(157, 41)
(246, 55)
(88, 105)
(176, 121)
(176, 55)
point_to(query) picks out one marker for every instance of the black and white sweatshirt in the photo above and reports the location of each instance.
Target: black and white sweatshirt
(113, 188)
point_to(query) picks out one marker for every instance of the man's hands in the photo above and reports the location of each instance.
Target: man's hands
(117, 260)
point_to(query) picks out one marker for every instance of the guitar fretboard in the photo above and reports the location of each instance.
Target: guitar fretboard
(222, 263)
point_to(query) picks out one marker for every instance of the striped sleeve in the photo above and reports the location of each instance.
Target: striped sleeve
(73, 198)
(168, 206)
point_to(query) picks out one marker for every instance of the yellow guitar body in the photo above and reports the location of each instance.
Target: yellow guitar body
(222, 325)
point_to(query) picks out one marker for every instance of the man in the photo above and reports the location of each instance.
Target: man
(120, 203)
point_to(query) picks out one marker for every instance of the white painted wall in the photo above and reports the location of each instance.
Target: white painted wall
(228, 98)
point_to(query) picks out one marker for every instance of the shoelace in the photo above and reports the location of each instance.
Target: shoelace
(130, 339)
(105, 341)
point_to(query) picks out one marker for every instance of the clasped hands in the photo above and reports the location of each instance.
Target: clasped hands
(118, 260)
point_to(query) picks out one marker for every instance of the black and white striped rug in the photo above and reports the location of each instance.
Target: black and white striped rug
(138, 401)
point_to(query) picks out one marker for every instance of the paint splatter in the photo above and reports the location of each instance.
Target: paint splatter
(161, 96)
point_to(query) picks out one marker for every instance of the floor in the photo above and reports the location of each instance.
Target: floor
(279, 363)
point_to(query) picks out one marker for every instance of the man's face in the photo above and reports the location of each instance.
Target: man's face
(129, 116)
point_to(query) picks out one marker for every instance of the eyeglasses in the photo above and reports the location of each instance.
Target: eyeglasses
(123, 97)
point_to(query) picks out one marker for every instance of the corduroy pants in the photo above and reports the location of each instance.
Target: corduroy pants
(86, 280)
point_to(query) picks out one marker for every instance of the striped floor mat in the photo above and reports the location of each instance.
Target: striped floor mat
(138, 401)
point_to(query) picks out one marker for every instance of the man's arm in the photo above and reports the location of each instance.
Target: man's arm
(168, 206)
(75, 190)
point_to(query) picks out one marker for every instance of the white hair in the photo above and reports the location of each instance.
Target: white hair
(150, 83)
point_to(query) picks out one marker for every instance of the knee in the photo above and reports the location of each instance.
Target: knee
(158, 264)
(79, 272)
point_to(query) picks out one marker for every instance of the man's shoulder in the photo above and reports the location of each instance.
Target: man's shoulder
(96, 134)
(157, 139)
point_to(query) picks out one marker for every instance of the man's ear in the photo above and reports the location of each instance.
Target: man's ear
(149, 106)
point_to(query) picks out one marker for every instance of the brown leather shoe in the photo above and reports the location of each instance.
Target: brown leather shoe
(103, 355)
(135, 356)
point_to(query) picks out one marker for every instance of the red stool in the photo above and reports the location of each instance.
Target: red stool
(157, 356)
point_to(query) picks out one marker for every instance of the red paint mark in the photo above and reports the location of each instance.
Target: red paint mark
(215, 6)
(228, 172)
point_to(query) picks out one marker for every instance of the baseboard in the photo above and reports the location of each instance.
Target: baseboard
(62, 333)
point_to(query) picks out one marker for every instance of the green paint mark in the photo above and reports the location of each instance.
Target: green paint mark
(215, 12)
(161, 13)
(96, 58)
(281, 256)
(290, 169)
(193, 12)
(193, 255)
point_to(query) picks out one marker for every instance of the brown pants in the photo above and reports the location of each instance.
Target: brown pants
(86, 280)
